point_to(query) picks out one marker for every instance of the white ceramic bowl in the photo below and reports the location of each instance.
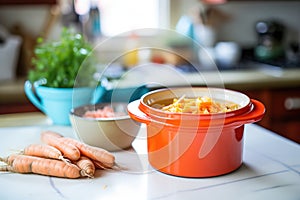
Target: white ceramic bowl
(112, 134)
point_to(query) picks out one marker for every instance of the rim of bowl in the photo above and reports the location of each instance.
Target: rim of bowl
(79, 111)
(245, 104)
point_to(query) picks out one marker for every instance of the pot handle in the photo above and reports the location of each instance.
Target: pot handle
(254, 115)
(32, 96)
(136, 114)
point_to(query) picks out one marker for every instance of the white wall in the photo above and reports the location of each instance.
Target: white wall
(243, 16)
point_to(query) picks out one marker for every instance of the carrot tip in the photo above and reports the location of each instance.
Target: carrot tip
(84, 173)
(118, 167)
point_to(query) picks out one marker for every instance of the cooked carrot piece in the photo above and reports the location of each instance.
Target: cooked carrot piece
(44, 166)
(68, 150)
(205, 104)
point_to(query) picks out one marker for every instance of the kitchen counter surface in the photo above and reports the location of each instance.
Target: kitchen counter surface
(259, 78)
(13, 91)
(270, 170)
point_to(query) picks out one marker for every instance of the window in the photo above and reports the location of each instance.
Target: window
(118, 16)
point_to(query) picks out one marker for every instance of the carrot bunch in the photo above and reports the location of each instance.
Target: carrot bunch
(59, 156)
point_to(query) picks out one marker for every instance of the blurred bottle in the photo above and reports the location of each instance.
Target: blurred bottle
(270, 40)
(131, 57)
(95, 22)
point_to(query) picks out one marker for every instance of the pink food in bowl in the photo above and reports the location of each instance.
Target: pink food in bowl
(105, 112)
(110, 133)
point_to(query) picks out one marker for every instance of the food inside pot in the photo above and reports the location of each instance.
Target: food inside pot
(198, 105)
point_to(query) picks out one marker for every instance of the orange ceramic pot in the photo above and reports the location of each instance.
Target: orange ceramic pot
(195, 145)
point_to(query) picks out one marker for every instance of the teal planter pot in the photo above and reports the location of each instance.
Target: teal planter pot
(57, 103)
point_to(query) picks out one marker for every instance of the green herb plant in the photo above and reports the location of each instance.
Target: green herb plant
(59, 62)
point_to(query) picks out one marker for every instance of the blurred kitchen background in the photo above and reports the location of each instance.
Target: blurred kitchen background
(237, 35)
(269, 28)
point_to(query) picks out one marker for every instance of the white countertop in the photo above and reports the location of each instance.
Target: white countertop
(270, 170)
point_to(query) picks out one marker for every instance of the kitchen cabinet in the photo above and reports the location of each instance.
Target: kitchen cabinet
(264, 0)
(23, 107)
(13, 98)
(24, 2)
(282, 110)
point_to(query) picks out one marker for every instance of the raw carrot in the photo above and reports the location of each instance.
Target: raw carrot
(68, 150)
(99, 165)
(86, 165)
(43, 150)
(44, 166)
(94, 153)
(54, 134)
